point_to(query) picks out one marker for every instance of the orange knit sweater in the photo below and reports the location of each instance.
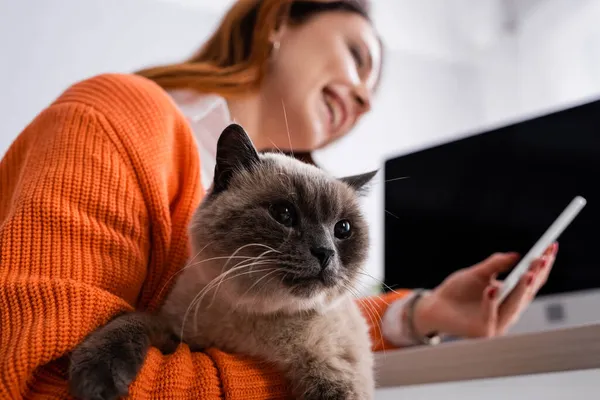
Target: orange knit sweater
(95, 197)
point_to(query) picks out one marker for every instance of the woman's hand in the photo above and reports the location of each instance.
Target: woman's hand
(466, 303)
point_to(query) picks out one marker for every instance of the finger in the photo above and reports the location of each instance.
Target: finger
(537, 265)
(551, 250)
(496, 263)
(547, 267)
(516, 301)
(489, 306)
(546, 264)
(494, 278)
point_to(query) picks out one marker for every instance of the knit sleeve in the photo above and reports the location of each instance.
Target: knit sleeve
(74, 247)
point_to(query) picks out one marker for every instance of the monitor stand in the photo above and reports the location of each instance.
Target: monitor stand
(558, 311)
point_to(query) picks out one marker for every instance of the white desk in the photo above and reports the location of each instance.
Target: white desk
(537, 365)
(583, 384)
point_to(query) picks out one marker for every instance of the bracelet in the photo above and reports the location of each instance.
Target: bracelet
(429, 339)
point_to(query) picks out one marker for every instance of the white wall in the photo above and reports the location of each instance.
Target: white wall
(47, 45)
(551, 61)
(559, 55)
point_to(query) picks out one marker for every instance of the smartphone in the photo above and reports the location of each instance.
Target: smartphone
(560, 224)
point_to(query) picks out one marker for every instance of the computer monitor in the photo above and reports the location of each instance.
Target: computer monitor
(498, 191)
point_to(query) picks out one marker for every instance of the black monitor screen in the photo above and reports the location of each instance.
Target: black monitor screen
(496, 191)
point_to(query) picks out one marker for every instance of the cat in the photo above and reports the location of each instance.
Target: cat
(279, 247)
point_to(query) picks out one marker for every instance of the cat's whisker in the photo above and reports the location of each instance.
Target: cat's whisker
(364, 286)
(245, 273)
(245, 246)
(242, 264)
(384, 301)
(285, 274)
(371, 305)
(216, 283)
(219, 258)
(287, 127)
(257, 282)
(379, 281)
(396, 179)
(257, 261)
(283, 267)
(371, 314)
(268, 280)
(206, 289)
(392, 214)
(254, 258)
(194, 264)
(254, 262)
(249, 245)
(197, 300)
(369, 308)
(350, 290)
(283, 277)
(276, 147)
(254, 284)
(198, 253)
(348, 285)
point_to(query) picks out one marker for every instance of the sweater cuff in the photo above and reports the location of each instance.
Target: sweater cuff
(393, 326)
(245, 378)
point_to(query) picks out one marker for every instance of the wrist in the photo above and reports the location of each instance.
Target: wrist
(424, 320)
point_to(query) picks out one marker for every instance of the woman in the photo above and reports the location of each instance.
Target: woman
(98, 190)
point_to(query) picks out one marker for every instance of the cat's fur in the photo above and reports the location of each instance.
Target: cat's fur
(276, 300)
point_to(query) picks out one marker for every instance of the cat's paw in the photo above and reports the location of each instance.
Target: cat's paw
(102, 369)
(323, 389)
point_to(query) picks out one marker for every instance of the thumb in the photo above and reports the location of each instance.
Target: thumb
(495, 264)
(489, 310)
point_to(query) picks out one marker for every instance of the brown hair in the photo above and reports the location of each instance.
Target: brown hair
(234, 60)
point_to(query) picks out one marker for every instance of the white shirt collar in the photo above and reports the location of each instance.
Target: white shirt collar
(208, 115)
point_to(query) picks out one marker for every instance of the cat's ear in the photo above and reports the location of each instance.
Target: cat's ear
(360, 183)
(235, 152)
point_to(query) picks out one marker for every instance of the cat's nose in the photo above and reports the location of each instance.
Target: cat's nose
(323, 254)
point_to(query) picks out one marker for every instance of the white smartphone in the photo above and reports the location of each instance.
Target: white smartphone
(560, 224)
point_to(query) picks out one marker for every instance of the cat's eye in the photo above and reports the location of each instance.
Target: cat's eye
(284, 213)
(343, 229)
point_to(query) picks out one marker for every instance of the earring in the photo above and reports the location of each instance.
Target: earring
(274, 50)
